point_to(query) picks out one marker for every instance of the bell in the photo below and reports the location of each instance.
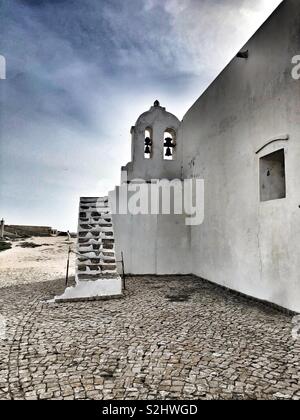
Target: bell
(148, 141)
(168, 142)
(168, 152)
(147, 150)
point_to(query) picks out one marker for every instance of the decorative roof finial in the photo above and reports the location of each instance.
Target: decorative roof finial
(156, 103)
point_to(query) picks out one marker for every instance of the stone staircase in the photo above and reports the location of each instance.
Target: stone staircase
(96, 269)
(96, 248)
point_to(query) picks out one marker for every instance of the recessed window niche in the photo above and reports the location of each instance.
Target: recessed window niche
(272, 176)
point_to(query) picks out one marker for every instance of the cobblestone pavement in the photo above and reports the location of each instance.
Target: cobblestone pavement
(169, 338)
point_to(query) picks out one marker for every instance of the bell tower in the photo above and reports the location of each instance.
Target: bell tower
(156, 153)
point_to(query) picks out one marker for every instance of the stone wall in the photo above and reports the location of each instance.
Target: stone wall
(29, 230)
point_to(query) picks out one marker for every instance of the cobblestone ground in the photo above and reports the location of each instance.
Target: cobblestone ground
(169, 338)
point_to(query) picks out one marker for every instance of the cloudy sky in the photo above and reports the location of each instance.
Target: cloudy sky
(79, 73)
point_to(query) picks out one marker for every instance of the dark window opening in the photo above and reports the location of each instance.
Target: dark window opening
(272, 176)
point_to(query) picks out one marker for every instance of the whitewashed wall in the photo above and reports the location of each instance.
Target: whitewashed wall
(245, 244)
(153, 244)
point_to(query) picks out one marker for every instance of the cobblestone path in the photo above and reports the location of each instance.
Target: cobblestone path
(168, 338)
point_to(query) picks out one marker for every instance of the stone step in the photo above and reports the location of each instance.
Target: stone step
(88, 256)
(95, 235)
(102, 223)
(95, 277)
(93, 200)
(93, 214)
(98, 255)
(95, 232)
(106, 218)
(96, 248)
(94, 261)
(89, 268)
(94, 207)
(95, 228)
(99, 268)
(89, 241)
(83, 223)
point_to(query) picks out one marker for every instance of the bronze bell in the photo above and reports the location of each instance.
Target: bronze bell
(148, 141)
(147, 150)
(168, 152)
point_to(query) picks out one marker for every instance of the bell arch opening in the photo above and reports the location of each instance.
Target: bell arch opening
(169, 144)
(148, 143)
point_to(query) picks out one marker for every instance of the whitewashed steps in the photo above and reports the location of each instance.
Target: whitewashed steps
(96, 267)
(95, 250)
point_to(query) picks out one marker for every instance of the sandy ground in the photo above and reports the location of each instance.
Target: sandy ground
(29, 265)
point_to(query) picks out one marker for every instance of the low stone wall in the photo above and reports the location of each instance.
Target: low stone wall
(29, 230)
